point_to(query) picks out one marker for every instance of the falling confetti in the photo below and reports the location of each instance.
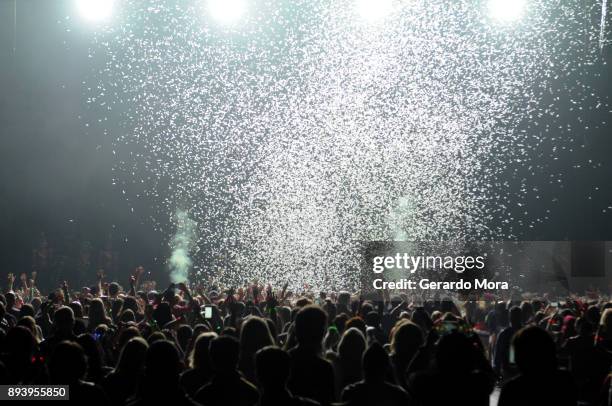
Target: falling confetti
(305, 128)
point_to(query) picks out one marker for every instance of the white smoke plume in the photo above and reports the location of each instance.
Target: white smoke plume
(182, 245)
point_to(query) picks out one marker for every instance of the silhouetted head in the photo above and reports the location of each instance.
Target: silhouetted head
(272, 366)
(26, 310)
(67, 364)
(372, 319)
(132, 356)
(375, 363)
(97, 312)
(29, 323)
(516, 317)
(534, 351)
(162, 363)
(63, 320)
(183, 336)
(21, 344)
(10, 299)
(454, 353)
(200, 355)
(113, 289)
(406, 338)
(352, 344)
(77, 309)
(310, 325)
(254, 335)
(356, 322)
(224, 352)
(92, 350)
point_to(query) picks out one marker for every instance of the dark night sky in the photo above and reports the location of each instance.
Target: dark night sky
(56, 173)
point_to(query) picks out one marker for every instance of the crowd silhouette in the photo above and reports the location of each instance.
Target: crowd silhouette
(264, 345)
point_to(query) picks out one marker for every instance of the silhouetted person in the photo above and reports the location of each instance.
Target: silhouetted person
(539, 383)
(406, 339)
(374, 390)
(123, 381)
(501, 359)
(161, 378)
(460, 374)
(311, 376)
(68, 366)
(254, 335)
(201, 371)
(347, 363)
(20, 347)
(588, 364)
(227, 385)
(63, 324)
(272, 369)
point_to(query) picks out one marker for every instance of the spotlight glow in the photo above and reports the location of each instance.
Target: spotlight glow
(227, 11)
(95, 10)
(507, 11)
(374, 10)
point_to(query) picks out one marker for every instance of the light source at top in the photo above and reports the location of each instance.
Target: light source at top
(374, 10)
(95, 10)
(506, 11)
(227, 11)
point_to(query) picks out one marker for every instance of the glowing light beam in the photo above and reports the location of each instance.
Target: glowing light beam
(95, 10)
(506, 11)
(227, 11)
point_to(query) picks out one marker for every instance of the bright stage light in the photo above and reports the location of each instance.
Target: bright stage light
(95, 10)
(374, 10)
(227, 11)
(506, 11)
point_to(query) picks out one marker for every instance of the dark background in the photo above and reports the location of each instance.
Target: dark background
(56, 172)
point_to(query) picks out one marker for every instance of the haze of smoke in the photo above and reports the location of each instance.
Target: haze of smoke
(182, 244)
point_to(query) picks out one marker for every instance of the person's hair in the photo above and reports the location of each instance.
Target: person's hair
(21, 344)
(67, 364)
(254, 335)
(200, 355)
(26, 310)
(356, 322)
(93, 351)
(113, 288)
(224, 352)
(455, 353)
(29, 323)
(126, 335)
(162, 362)
(406, 338)
(272, 366)
(375, 362)
(63, 318)
(183, 336)
(127, 316)
(97, 313)
(132, 356)
(310, 324)
(352, 344)
(534, 351)
(77, 309)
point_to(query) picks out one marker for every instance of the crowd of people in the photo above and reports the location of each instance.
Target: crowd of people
(266, 345)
